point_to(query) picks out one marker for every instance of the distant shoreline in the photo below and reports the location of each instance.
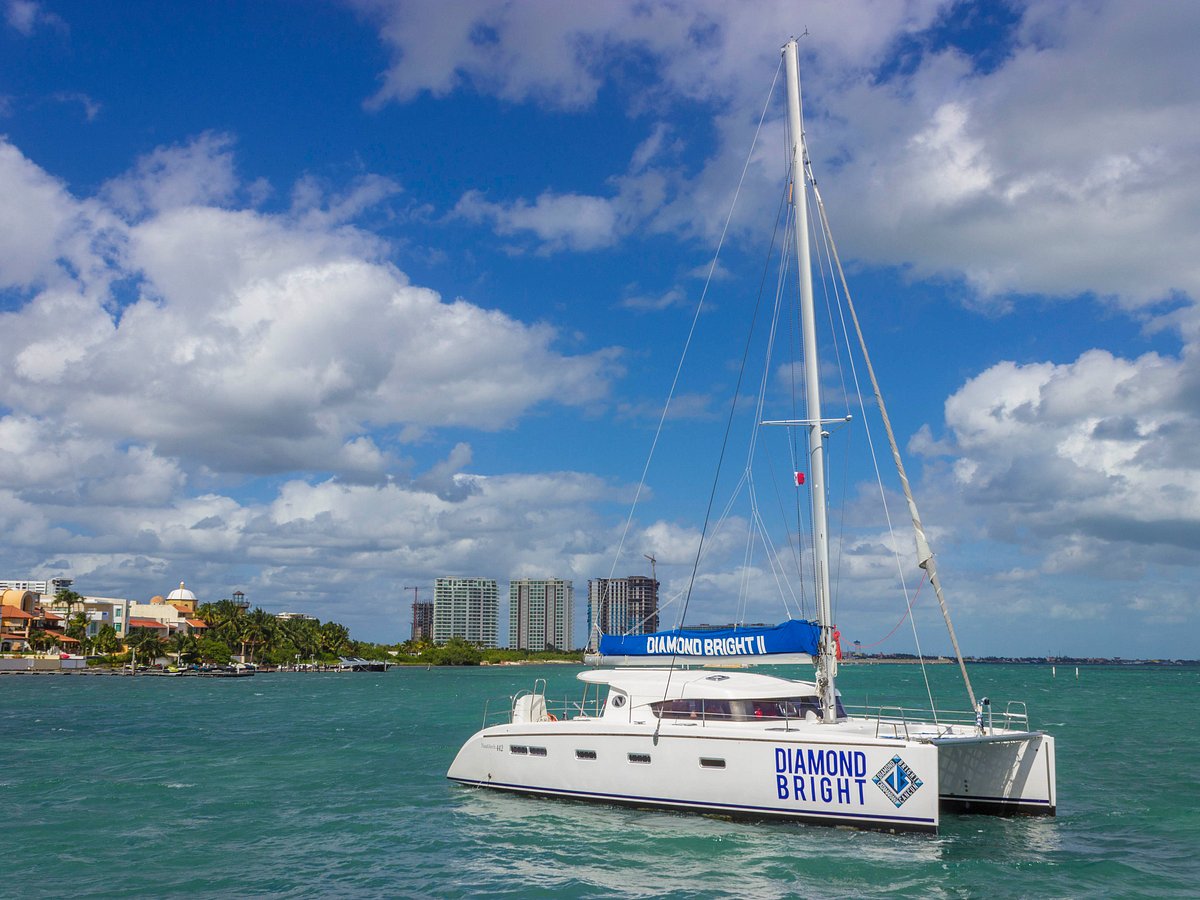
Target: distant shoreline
(852, 661)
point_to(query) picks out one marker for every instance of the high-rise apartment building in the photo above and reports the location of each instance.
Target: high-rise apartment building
(540, 614)
(621, 606)
(467, 608)
(47, 588)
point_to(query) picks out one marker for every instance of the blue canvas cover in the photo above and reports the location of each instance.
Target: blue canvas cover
(793, 636)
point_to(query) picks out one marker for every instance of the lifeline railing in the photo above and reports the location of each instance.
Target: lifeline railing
(499, 710)
(901, 722)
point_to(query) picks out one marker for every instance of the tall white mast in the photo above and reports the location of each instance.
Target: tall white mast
(827, 658)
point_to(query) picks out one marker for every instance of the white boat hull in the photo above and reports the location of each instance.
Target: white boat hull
(998, 774)
(834, 778)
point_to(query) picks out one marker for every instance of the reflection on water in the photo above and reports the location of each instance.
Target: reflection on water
(587, 848)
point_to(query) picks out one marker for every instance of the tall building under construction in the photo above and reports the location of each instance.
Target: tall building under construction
(621, 606)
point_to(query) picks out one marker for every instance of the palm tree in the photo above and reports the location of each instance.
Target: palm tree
(106, 640)
(220, 615)
(77, 627)
(182, 644)
(301, 634)
(259, 630)
(333, 638)
(69, 599)
(40, 640)
(146, 643)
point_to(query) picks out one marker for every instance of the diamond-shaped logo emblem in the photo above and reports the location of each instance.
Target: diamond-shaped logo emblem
(897, 780)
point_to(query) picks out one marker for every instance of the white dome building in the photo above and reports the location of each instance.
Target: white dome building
(182, 594)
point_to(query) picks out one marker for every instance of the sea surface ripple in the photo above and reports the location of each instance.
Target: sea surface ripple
(309, 785)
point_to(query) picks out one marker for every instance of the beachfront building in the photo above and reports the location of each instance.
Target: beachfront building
(467, 608)
(16, 618)
(539, 614)
(621, 606)
(183, 600)
(101, 611)
(176, 612)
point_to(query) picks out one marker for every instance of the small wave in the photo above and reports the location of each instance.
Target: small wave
(178, 785)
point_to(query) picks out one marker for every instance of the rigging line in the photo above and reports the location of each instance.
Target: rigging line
(716, 530)
(793, 438)
(794, 546)
(729, 421)
(829, 287)
(782, 584)
(835, 262)
(778, 570)
(695, 320)
(907, 612)
(824, 267)
(924, 553)
(712, 495)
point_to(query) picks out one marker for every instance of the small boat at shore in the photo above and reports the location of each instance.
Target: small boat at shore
(234, 671)
(652, 733)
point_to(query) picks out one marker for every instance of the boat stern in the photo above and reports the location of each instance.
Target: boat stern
(1006, 773)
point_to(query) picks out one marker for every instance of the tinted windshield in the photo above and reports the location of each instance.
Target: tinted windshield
(692, 708)
(788, 708)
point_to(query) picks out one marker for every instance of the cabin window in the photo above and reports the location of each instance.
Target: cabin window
(519, 749)
(585, 754)
(537, 751)
(709, 762)
(785, 708)
(692, 708)
(639, 757)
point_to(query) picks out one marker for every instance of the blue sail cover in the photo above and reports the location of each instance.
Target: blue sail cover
(793, 636)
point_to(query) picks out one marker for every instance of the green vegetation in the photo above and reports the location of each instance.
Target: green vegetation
(458, 652)
(259, 637)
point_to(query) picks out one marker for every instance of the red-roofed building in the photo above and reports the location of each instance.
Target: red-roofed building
(160, 628)
(14, 628)
(197, 625)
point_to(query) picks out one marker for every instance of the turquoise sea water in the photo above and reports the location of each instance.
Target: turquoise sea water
(309, 785)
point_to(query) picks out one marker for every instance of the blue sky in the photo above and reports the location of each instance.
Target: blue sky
(317, 300)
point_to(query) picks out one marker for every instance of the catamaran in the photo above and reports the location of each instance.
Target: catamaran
(660, 730)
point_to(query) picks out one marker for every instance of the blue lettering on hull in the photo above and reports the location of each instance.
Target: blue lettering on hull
(821, 776)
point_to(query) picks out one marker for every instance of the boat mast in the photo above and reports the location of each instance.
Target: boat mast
(827, 657)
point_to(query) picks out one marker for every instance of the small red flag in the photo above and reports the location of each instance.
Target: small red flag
(799, 479)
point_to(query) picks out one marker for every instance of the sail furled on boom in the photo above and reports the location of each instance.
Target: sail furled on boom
(793, 636)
